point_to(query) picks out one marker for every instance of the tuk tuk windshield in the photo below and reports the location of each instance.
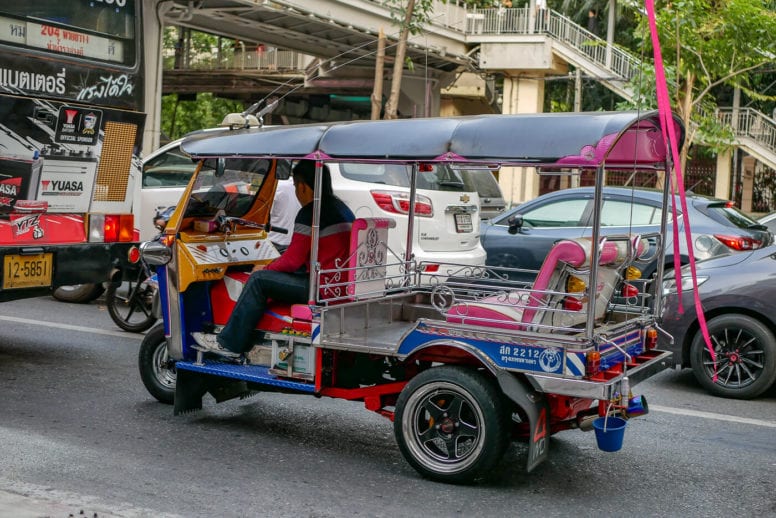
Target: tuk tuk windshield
(229, 187)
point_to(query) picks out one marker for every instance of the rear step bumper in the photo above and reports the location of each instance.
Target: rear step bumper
(648, 364)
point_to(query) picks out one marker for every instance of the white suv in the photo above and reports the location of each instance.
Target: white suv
(166, 173)
(447, 223)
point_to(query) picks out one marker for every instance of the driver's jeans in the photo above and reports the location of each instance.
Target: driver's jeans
(262, 285)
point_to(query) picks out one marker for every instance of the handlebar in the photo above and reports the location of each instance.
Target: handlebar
(227, 223)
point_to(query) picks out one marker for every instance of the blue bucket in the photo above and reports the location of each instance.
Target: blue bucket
(609, 439)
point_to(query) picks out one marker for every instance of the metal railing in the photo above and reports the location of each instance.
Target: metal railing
(456, 16)
(268, 59)
(751, 124)
(521, 21)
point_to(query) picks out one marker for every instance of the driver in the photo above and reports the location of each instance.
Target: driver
(284, 279)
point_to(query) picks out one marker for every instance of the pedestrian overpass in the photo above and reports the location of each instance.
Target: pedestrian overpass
(521, 44)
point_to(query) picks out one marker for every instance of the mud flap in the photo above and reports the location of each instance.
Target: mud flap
(189, 389)
(535, 405)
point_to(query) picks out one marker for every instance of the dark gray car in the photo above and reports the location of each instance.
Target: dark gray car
(717, 227)
(737, 293)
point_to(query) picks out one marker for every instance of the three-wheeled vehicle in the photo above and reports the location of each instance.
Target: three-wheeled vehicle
(461, 359)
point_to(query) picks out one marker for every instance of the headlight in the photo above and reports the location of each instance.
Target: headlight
(669, 285)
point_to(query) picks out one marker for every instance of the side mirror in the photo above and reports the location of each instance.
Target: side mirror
(155, 253)
(515, 223)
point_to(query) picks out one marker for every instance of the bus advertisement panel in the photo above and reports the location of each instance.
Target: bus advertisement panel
(71, 124)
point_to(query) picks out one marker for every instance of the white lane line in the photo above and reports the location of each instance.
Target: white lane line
(711, 415)
(656, 408)
(120, 334)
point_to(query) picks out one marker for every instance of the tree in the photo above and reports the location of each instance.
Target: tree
(183, 114)
(180, 117)
(708, 45)
(411, 18)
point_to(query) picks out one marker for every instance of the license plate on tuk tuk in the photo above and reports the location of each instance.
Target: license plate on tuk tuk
(463, 223)
(27, 271)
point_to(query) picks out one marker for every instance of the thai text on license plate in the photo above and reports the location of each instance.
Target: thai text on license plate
(463, 223)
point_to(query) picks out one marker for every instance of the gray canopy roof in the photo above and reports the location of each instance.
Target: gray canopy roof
(620, 139)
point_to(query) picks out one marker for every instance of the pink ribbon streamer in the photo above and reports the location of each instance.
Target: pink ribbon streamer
(667, 125)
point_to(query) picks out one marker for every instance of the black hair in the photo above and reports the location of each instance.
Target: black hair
(304, 171)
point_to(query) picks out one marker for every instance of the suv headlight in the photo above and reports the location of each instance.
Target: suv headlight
(669, 285)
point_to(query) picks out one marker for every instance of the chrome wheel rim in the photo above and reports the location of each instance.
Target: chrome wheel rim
(444, 427)
(164, 367)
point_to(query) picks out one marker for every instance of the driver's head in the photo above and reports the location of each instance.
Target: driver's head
(304, 180)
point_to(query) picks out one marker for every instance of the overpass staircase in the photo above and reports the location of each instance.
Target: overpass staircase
(752, 131)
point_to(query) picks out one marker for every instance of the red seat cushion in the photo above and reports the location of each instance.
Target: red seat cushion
(278, 317)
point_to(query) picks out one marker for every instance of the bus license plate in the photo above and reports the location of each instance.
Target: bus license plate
(27, 271)
(463, 223)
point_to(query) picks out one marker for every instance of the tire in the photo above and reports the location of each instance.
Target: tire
(131, 303)
(157, 370)
(451, 406)
(746, 357)
(78, 293)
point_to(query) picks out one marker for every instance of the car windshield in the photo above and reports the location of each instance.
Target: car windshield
(434, 177)
(232, 192)
(172, 168)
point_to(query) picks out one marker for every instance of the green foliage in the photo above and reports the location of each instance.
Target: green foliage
(421, 15)
(181, 117)
(708, 48)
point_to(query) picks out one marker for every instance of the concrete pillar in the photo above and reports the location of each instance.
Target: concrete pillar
(521, 95)
(153, 11)
(724, 171)
(419, 96)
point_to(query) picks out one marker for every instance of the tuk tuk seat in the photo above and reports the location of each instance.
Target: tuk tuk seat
(360, 275)
(542, 304)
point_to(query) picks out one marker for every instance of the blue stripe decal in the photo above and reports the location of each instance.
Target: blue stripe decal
(286, 319)
(524, 354)
(517, 355)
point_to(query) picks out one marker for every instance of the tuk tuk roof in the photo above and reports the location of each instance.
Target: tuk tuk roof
(568, 140)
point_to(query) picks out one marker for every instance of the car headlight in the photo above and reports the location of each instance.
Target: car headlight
(669, 285)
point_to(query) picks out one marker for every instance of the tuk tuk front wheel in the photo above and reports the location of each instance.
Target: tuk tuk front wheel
(451, 424)
(157, 369)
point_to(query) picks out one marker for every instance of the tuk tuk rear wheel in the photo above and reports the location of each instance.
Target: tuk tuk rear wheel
(451, 424)
(157, 369)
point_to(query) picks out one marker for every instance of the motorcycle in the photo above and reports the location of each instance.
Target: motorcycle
(460, 361)
(133, 305)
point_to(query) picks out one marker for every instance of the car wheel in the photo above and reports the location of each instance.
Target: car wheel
(451, 424)
(79, 293)
(157, 369)
(745, 351)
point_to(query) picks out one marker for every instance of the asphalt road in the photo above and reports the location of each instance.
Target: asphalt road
(78, 432)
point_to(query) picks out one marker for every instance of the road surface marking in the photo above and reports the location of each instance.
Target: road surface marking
(711, 415)
(656, 408)
(56, 325)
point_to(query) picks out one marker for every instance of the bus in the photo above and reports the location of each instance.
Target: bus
(71, 130)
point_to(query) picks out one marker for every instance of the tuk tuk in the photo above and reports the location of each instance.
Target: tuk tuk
(462, 359)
